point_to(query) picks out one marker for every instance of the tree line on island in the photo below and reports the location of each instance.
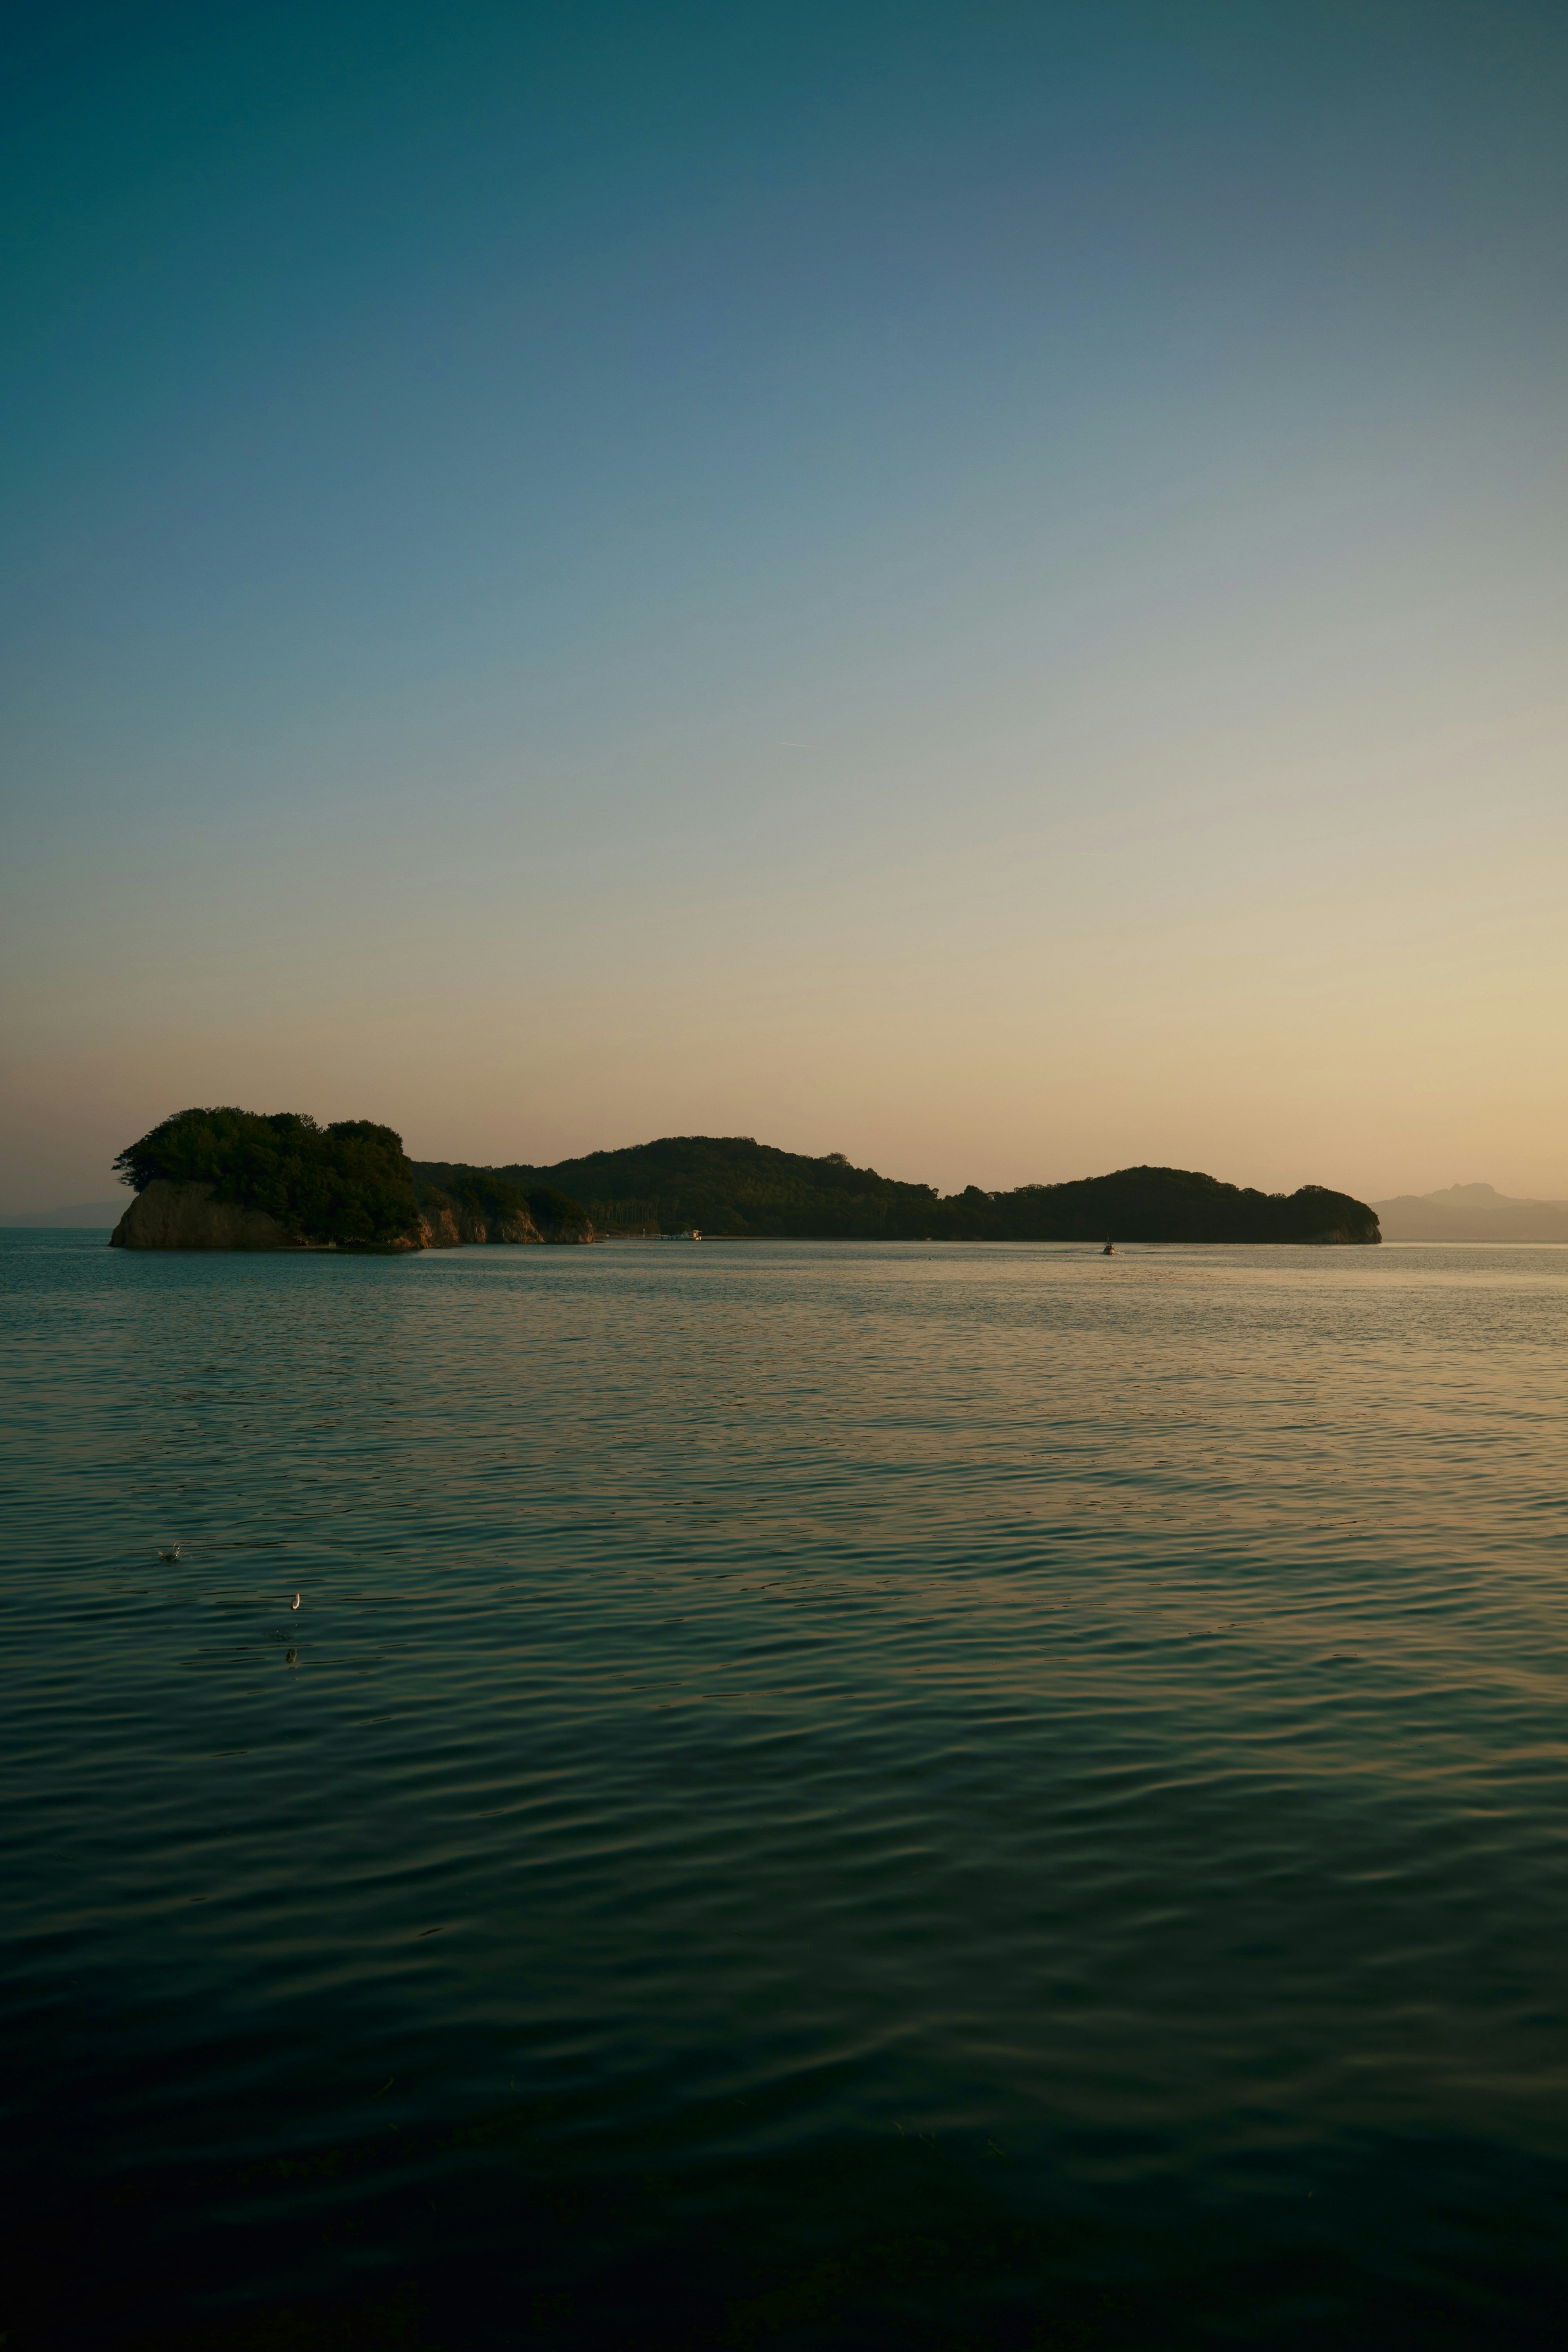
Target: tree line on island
(350, 1185)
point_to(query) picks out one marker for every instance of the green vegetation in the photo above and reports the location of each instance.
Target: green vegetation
(731, 1185)
(491, 1195)
(474, 1195)
(550, 1207)
(349, 1183)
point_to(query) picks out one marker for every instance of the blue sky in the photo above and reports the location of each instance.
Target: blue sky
(981, 587)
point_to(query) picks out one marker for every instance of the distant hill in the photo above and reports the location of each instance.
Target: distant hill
(734, 1187)
(1471, 1212)
(84, 1213)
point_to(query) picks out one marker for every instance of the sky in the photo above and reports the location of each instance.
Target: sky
(977, 586)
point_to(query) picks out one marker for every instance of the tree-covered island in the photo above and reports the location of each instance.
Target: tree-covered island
(229, 1179)
(733, 1187)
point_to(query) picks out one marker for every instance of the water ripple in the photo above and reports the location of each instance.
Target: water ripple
(840, 1794)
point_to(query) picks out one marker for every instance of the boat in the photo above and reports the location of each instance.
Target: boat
(1110, 1249)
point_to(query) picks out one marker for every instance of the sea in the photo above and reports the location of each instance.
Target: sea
(784, 1795)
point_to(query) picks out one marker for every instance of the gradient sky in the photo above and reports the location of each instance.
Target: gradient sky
(981, 587)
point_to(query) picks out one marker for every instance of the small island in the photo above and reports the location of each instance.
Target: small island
(237, 1180)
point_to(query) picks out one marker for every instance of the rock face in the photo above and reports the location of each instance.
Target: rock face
(186, 1216)
(476, 1228)
(506, 1229)
(438, 1228)
(444, 1226)
(448, 1224)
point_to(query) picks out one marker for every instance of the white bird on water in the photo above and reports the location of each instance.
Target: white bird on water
(295, 1602)
(170, 1552)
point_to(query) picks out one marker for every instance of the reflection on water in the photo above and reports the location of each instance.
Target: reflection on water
(841, 1796)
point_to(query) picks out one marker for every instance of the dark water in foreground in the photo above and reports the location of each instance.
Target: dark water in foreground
(817, 1796)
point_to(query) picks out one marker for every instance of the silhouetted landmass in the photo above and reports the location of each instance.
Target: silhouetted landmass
(352, 1183)
(732, 1186)
(1471, 1212)
(347, 1183)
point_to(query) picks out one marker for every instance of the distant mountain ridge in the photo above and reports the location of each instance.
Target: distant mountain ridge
(733, 1187)
(82, 1212)
(1471, 1212)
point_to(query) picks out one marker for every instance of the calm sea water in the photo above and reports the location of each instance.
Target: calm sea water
(815, 1796)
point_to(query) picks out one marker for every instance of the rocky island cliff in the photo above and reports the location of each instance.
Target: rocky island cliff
(186, 1216)
(233, 1179)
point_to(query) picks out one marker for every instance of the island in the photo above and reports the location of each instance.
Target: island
(228, 1179)
(237, 1180)
(731, 1187)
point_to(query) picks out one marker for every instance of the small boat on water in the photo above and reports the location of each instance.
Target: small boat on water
(1110, 1249)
